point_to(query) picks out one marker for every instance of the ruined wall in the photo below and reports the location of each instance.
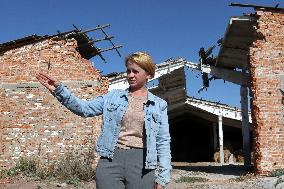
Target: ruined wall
(267, 70)
(32, 121)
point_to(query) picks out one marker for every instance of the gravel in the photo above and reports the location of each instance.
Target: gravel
(221, 177)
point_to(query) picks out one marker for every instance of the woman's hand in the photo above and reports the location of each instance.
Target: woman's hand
(50, 83)
(158, 186)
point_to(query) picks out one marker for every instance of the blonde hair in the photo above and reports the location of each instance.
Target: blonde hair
(143, 60)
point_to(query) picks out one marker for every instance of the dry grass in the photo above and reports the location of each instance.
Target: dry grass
(71, 168)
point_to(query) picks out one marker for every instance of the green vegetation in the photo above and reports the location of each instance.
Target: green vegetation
(276, 173)
(25, 166)
(191, 179)
(71, 169)
(242, 178)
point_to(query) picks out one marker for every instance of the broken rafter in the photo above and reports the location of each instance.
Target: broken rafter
(90, 42)
(109, 39)
(114, 47)
(96, 28)
(256, 6)
(96, 40)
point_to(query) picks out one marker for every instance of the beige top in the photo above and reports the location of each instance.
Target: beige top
(132, 134)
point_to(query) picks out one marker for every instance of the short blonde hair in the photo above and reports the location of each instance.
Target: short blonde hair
(143, 60)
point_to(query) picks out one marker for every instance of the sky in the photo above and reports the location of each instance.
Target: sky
(163, 28)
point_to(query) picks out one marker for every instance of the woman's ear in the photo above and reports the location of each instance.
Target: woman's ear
(148, 76)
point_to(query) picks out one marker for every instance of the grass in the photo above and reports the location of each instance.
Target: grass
(276, 173)
(25, 166)
(191, 179)
(74, 181)
(70, 168)
(242, 178)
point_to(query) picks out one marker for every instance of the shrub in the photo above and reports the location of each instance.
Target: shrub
(72, 166)
(27, 166)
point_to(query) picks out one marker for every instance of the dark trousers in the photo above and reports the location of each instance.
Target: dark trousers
(124, 171)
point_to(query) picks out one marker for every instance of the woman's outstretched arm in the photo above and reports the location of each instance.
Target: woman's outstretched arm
(84, 108)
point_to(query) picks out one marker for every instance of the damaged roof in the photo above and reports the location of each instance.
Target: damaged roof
(85, 44)
(85, 47)
(21, 42)
(238, 37)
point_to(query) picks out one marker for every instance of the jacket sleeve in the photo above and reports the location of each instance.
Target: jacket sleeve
(163, 148)
(84, 108)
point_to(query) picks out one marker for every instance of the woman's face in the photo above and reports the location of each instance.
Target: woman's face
(136, 76)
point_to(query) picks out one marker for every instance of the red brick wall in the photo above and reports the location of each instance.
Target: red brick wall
(33, 122)
(267, 69)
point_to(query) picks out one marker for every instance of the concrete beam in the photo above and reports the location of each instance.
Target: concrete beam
(236, 77)
(239, 78)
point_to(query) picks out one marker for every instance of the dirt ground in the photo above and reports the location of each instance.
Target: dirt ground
(184, 175)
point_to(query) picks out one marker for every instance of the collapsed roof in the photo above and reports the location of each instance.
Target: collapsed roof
(86, 45)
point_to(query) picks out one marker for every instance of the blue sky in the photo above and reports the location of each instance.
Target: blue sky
(163, 28)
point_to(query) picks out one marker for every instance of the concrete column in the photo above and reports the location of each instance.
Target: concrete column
(245, 126)
(221, 139)
(215, 137)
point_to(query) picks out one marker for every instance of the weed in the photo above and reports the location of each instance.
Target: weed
(74, 181)
(24, 166)
(191, 179)
(276, 173)
(38, 187)
(73, 166)
(243, 177)
(27, 166)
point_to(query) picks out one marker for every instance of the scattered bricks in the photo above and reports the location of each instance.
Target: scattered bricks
(32, 121)
(267, 69)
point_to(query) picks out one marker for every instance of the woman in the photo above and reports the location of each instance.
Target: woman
(135, 131)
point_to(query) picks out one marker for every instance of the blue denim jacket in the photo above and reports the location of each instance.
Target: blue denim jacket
(112, 107)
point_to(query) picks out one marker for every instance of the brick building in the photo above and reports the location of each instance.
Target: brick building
(266, 67)
(251, 55)
(32, 121)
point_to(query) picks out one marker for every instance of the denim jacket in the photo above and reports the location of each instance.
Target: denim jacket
(112, 107)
